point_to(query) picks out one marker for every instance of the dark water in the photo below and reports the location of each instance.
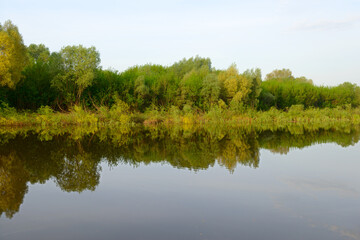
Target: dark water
(180, 184)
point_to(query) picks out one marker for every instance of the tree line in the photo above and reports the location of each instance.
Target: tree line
(33, 76)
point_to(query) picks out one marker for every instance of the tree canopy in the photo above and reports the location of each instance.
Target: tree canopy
(78, 65)
(13, 55)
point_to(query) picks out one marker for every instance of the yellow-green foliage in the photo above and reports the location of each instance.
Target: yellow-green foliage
(188, 119)
(119, 113)
(154, 115)
(236, 87)
(45, 115)
(175, 114)
(79, 116)
(13, 57)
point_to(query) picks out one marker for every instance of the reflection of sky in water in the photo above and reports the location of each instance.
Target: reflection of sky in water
(307, 194)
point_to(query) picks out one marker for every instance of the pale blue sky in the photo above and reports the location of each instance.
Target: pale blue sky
(318, 39)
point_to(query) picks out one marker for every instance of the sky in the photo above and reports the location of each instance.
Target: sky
(318, 39)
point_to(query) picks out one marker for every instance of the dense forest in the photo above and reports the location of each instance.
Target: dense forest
(32, 76)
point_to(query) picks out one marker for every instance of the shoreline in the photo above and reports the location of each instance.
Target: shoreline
(117, 117)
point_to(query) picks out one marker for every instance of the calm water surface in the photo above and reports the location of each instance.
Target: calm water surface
(245, 185)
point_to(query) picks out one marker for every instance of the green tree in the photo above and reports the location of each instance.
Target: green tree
(266, 100)
(34, 90)
(141, 91)
(235, 87)
(38, 53)
(304, 80)
(254, 76)
(229, 82)
(105, 84)
(13, 55)
(210, 91)
(280, 74)
(191, 84)
(187, 65)
(78, 71)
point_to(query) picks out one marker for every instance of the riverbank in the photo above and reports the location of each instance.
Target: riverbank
(120, 115)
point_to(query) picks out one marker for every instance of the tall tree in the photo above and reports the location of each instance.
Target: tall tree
(254, 76)
(78, 71)
(13, 55)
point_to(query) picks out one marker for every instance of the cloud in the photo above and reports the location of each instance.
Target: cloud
(325, 25)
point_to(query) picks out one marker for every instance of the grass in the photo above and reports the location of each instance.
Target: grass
(119, 115)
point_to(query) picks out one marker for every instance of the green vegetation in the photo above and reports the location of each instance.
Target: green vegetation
(39, 87)
(13, 56)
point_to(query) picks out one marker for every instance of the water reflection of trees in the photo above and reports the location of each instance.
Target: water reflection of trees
(282, 141)
(72, 158)
(13, 183)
